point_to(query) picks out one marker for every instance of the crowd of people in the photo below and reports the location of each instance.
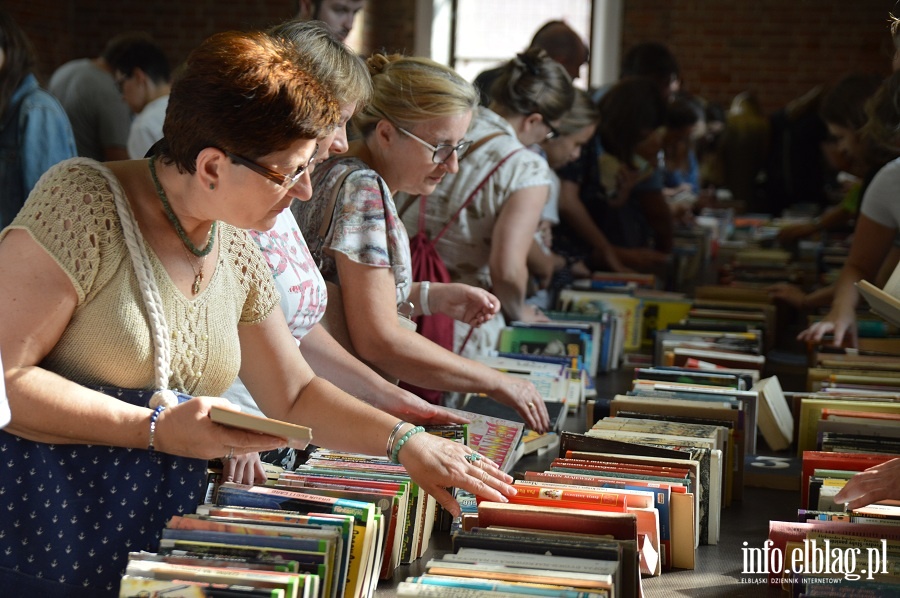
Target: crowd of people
(154, 220)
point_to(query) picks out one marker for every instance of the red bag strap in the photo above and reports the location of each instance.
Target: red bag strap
(468, 199)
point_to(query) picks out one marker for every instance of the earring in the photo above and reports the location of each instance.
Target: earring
(212, 186)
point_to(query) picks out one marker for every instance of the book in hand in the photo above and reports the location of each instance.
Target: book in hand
(883, 304)
(298, 437)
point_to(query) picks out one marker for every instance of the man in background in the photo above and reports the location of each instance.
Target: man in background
(560, 42)
(143, 75)
(338, 15)
(100, 117)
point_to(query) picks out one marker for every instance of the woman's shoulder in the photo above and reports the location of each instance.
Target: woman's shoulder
(885, 181)
(889, 170)
(67, 181)
(328, 173)
(38, 98)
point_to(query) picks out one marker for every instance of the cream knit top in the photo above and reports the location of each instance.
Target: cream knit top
(71, 213)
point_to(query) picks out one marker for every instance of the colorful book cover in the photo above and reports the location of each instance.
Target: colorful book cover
(591, 302)
(493, 437)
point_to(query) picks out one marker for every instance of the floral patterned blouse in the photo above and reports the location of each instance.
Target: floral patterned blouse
(365, 226)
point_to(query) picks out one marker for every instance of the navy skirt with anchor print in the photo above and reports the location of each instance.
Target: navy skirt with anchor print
(71, 513)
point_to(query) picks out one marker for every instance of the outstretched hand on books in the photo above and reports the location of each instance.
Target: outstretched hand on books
(840, 324)
(415, 409)
(872, 485)
(436, 464)
(787, 293)
(523, 396)
(471, 305)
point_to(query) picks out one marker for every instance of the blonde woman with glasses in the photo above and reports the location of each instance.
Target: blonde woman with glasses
(488, 242)
(413, 133)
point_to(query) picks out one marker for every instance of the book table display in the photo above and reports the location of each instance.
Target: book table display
(718, 568)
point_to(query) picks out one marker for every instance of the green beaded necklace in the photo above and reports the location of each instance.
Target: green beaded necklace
(176, 223)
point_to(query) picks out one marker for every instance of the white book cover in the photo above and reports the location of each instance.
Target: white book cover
(883, 303)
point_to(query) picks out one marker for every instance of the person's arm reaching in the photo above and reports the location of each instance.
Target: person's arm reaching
(331, 361)
(463, 302)
(871, 243)
(370, 311)
(285, 388)
(576, 216)
(512, 235)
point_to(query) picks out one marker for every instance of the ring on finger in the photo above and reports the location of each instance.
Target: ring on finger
(473, 457)
(230, 455)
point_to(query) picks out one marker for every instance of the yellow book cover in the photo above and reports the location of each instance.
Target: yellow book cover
(594, 302)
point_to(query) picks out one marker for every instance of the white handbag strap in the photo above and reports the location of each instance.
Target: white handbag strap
(134, 240)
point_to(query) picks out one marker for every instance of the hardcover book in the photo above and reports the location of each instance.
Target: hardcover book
(298, 437)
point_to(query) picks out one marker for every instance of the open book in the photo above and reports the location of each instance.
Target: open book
(297, 436)
(883, 304)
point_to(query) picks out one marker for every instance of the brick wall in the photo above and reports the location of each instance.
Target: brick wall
(65, 29)
(778, 48)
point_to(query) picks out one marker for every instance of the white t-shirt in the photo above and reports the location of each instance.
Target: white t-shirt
(147, 127)
(301, 286)
(880, 202)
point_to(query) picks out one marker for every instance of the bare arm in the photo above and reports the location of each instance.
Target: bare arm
(576, 216)
(794, 295)
(284, 387)
(331, 361)
(463, 302)
(512, 236)
(370, 310)
(871, 243)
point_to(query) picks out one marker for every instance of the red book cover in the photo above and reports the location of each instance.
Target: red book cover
(571, 498)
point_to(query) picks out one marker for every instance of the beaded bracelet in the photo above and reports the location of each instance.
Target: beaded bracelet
(390, 442)
(423, 297)
(153, 418)
(409, 434)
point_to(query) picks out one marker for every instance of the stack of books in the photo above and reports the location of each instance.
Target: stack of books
(330, 529)
(847, 423)
(477, 572)
(861, 547)
(605, 513)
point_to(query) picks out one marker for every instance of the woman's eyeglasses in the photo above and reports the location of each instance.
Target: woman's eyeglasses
(285, 180)
(554, 132)
(442, 152)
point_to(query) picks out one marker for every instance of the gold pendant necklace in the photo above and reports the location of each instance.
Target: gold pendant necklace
(198, 274)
